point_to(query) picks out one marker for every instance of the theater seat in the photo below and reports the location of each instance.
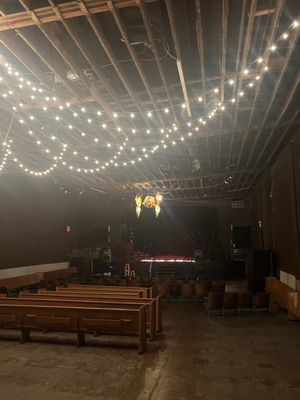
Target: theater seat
(230, 302)
(214, 303)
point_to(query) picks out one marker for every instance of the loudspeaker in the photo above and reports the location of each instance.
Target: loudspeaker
(262, 263)
(241, 237)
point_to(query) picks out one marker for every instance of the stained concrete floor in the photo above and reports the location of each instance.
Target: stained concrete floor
(197, 357)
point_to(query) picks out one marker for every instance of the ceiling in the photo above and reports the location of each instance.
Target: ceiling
(192, 98)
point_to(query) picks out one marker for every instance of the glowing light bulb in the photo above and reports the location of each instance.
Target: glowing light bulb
(68, 104)
(295, 24)
(83, 109)
(132, 115)
(200, 99)
(246, 72)
(273, 47)
(166, 110)
(115, 115)
(99, 113)
(285, 36)
(216, 90)
(231, 82)
(183, 105)
(149, 114)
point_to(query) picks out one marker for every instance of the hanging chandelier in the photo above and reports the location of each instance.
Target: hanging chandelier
(148, 202)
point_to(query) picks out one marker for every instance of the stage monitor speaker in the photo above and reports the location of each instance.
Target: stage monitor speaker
(241, 236)
(261, 264)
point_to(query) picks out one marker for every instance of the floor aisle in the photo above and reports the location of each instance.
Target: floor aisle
(246, 357)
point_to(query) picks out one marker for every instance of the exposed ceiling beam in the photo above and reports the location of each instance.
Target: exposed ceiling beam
(277, 84)
(147, 23)
(247, 43)
(171, 14)
(71, 9)
(275, 21)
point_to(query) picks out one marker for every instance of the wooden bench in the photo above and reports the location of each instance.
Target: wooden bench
(146, 292)
(294, 305)
(101, 297)
(279, 291)
(19, 281)
(137, 294)
(36, 299)
(81, 320)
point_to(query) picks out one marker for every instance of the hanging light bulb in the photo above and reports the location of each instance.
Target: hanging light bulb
(157, 210)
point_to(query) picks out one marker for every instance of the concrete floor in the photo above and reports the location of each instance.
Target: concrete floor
(197, 357)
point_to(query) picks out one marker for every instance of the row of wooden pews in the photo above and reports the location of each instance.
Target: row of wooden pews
(81, 309)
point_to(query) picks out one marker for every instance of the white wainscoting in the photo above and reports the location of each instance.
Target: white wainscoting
(31, 269)
(288, 279)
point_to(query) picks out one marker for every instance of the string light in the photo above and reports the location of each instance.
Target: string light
(203, 121)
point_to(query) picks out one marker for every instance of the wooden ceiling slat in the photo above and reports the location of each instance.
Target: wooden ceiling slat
(68, 10)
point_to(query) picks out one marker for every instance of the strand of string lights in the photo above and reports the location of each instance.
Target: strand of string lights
(163, 144)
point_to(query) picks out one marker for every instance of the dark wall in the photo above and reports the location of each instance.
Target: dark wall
(34, 214)
(32, 220)
(277, 196)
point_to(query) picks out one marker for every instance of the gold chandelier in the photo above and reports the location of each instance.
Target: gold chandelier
(148, 202)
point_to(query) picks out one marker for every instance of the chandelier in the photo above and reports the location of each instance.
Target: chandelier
(148, 202)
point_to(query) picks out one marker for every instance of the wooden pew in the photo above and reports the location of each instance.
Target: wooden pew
(294, 305)
(125, 293)
(146, 292)
(75, 319)
(108, 294)
(100, 297)
(36, 299)
(19, 281)
(279, 291)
